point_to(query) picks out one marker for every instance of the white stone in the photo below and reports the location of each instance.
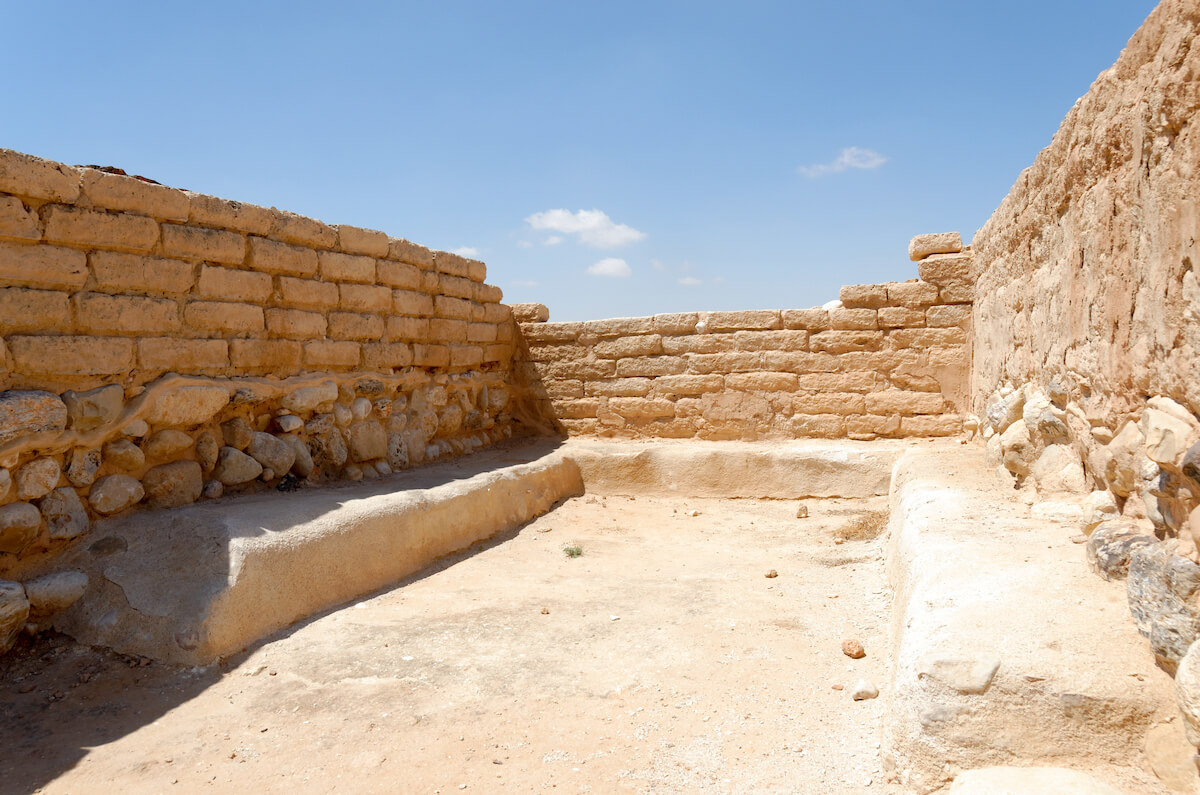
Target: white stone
(836, 303)
(235, 467)
(308, 398)
(864, 690)
(289, 423)
(302, 465)
(1017, 448)
(51, 593)
(1100, 506)
(188, 405)
(114, 493)
(64, 514)
(923, 246)
(19, 525)
(360, 408)
(342, 415)
(1167, 436)
(271, 452)
(37, 478)
(124, 454)
(137, 429)
(14, 611)
(1059, 469)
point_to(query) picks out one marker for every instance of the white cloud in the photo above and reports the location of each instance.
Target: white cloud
(657, 265)
(593, 227)
(524, 244)
(466, 251)
(553, 240)
(689, 281)
(850, 157)
(610, 266)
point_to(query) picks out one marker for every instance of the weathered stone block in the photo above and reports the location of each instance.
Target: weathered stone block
(946, 269)
(328, 353)
(497, 353)
(928, 337)
(830, 403)
(431, 355)
(689, 384)
(387, 355)
(488, 293)
(226, 214)
(355, 326)
(187, 406)
(480, 332)
(956, 294)
(26, 175)
(853, 319)
(223, 318)
(496, 313)
(307, 293)
(466, 355)
(167, 444)
(405, 302)
(36, 479)
(752, 319)
(819, 426)
(641, 408)
(79, 355)
(863, 296)
(762, 382)
(845, 341)
(33, 310)
(124, 314)
(622, 347)
(347, 267)
(404, 251)
(700, 343)
(789, 340)
(235, 467)
(91, 229)
(138, 274)
(229, 284)
(922, 246)
(443, 330)
(456, 287)
(808, 319)
(913, 294)
(619, 387)
(873, 424)
(722, 363)
(453, 264)
(892, 401)
(651, 366)
(274, 454)
(399, 274)
(414, 329)
(295, 323)
(947, 316)
(17, 221)
(932, 425)
(356, 240)
(118, 192)
(901, 317)
(278, 356)
(453, 308)
(838, 382)
(576, 409)
(301, 230)
(270, 256)
(51, 267)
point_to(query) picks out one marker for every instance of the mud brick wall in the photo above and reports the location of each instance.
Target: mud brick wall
(891, 361)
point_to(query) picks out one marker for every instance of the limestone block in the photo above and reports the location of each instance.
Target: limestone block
(734, 321)
(302, 463)
(230, 284)
(307, 293)
(900, 317)
(26, 175)
(386, 355)
(853, 319)
(115, 271)
(453, 264)
(450, 419)
(619, 387)
(35, 479)
(833, 403)
(871, 424)
(305, 399)
(367, 441)
(301, 230)
(466, 355)
(838, 342)
(862, 296)
(272, 453)
(219, 317)
(356, 240)
(819, 426)
(406, 302)
(114, 493)
(64, 513)
(280, 357)
(688, 384)
(174, 484)
(357, 326)
(1124, 459)
(1058, 469)
(19, 526)
(17, 221)
(96, 407)
(82, 466)
(808, 319)
(295, 323)
(945, 269)
(34, 311)
(762, 382)
(931, 425)
(14, 606)
(270, 256)
(446, 330)
(922, 246)
(912, 294)
(170, 354)
(576, 409)
(53, 593)
(456, 287)
(235, 467)
(947, 316)
(404, 251)
(347, 267)
(226, 214)
(119, 314)
(483, 332)
(88, 228)
(408, 328)
(190, 405)
(26, 412)
(622, 347)
(650, 366)
(209, 245)
(895, 401)
(120, 192)
(364, 297)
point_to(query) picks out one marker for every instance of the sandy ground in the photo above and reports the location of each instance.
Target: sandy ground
(662, 659)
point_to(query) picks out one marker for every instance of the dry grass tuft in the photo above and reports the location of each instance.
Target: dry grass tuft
(863, 527)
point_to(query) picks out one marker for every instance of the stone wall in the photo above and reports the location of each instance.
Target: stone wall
(159, 347)
(887, 360)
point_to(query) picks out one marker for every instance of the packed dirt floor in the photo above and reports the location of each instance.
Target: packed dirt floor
(663, 658)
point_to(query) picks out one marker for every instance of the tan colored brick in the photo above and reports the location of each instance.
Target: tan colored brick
(623, 347)
(893, 401)
(947, 316)
(689, 384)
(26, 175)
(542, 352)
(838, 382)
(581, 369)
(409, 303)
(124, 314)
(808, 319)
(18, 222)
(497, 353)
(552, 332)
(819, 426)
(928, 337)
(675, 323)
(234, 285)
(576, 409)
(277, 356)
(651, 366)
(955, 356)
(914, 382)
(901, 317)
(226, 214)
(945, 269)
(873, 424)
(295, 323)
(913, 294)
(408, 328)
(355, 326)
(956, 294)
(271, 256)
(466, 355)
(735, 321)
(477, 271)
(72, 355)
(356, 240)
(584, 427)
(481, 332)
(444, 330)
(845, 341)
(223, 318)
(454, 308)
(404, 251)
(387, 355)
(737, 362)
(830, 403)
(136, 273)
(399, 274)
(451, 264)
(853, 319)
(169, 354)
(347, 267)
(327, 353)
(863, 296)
(699, 343)
(130, 194)
(431, 355)
(33, 310)
(619, 387)
(942, 425)
(564, 390)
(456, 287)
(617, 326)
(761, 382)
(770, 340)
(506, 331)
(89, 228)
(488, 294)
(365, 297)
(303, 231)
(799, 362)
(197, 243)
(28, 265)
(636, 408)
(308, 293)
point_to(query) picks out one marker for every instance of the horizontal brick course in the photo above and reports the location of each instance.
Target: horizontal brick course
(92, 229)
(42, 266)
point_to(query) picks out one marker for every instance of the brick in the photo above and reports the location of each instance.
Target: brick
(551, 332)
(26, 175)
(564, 390)
(234, 285)
(819, 426)
(830, 403)
(761, 382)
(135, 273)
(355, 326)
(409, 303)
(901, 317)
(584, 427)
(915, 383)
(893, 401)
(942, 425)
(387, 355)
(619, 326)
(431, 355)
(576, 409)
(853, 319)
(327, 353)
(948, 357)
(770, 340)
(466, 355)
(619, 387)
(845, 341)
(808, 319)
(197, 243)
(456, 287)
(558, 353)
(42, 266)
(130, 194)
(271, 256)
(454, 308)
(689, 384)
(451, 264)
(72, 355)
(347, 267)
(91, 229)
(404, 251)
(488, 294)
(477, 271)
(651, 366)
(365, 297)
(17, 222)
(356, 240)
(873, 424)
(295, 323)
(913, 294)
(737, 362)
(308, 293)
(226, 214)
(947, 316)
(399, 274)
(623, 347)
(699, 343)
(838, 382)
(799, 362)
(734, 321)
(277, 356)
(481, 332)
(292, 228)
(945, 269)
(928, 337)
(956, 294)
(864, 296)
(408, 328)
(584, 370)
(444, 330)
(223, 318)
(632, 407)
(530, 313)
(505, 331)
(497, 353)
(124, 314)
(169, 354)
(27, 310)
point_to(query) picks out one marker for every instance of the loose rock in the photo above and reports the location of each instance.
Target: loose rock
(14, 611)
(37, 478)
(52, 593)
(174, 484)
(235, 467)
(82, 467)
(864, 690)
(289, 423)
(64, 514)
(207, 449)
(360, 408)
(272, 453)
(25, 412)
(19, 526)
(237, 433)
(213, 489)
(166, 444)
(124, 454)
(115, 493)
(302, 464)
(853, 649)
(802, 511)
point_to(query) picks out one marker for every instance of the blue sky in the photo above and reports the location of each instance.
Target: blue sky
(612, 159)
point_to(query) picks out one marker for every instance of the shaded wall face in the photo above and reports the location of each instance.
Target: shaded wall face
(1087, 269)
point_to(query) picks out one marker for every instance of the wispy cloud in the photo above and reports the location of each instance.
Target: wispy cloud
(850, 157)
(553, 240)
(689, 281)
(466, 251)
(610, 266)
(593, 227)
(524, 244)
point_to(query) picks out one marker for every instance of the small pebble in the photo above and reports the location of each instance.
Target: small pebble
(864, 690)
(802, 511)
(545, 612)
(837, 687)
(771, 574)
(853, 649)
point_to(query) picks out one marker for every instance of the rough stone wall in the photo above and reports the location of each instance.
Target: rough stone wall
(888, 360)
(159, 347)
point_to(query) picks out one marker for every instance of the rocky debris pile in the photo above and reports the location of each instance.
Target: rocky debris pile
(27, 606)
